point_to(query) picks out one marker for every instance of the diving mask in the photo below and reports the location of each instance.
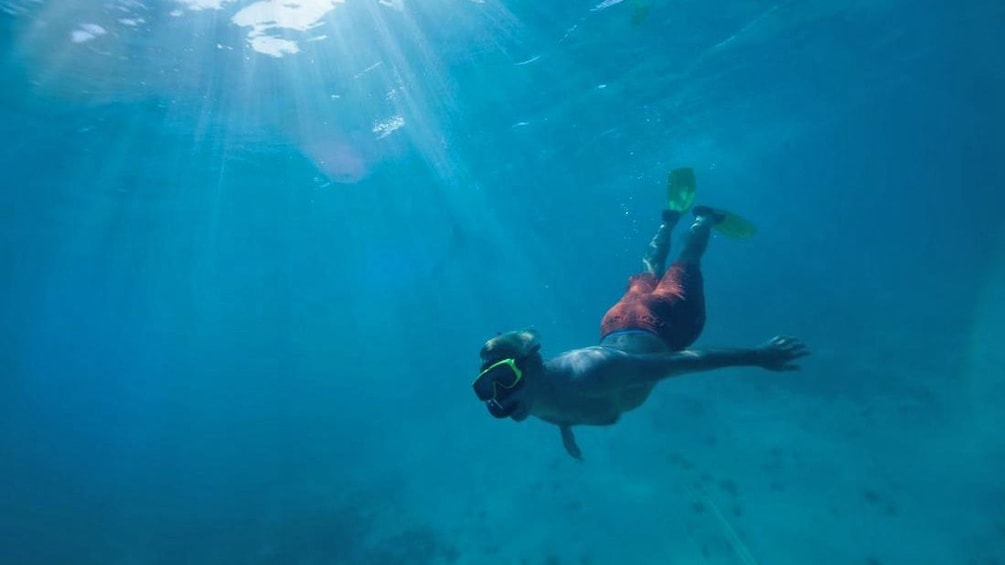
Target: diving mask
(495, 383)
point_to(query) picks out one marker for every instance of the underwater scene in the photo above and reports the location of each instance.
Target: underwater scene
(510, 282)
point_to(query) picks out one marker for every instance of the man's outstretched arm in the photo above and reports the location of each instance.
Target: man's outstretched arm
(598, 371)
(778, 354)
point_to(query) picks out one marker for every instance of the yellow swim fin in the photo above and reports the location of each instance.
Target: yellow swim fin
(734, 226)
(727, 223)
(681, 187)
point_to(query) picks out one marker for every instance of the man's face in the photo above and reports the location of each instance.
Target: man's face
(522, 405)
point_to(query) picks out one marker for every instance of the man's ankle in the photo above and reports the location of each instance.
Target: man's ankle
(670, 216)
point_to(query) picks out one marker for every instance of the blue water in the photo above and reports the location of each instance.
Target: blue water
(248, 254)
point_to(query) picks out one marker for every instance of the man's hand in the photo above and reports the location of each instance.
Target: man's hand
(779, 353)
(569, 441)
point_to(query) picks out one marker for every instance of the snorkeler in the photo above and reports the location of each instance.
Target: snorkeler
(644, 337)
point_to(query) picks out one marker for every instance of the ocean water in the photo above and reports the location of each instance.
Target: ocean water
(249, 251)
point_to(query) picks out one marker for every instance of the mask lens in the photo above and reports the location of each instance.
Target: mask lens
(503, 375)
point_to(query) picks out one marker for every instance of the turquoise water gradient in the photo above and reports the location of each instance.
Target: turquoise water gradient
(249, 252)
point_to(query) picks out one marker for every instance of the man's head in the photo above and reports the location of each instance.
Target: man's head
(501, 384)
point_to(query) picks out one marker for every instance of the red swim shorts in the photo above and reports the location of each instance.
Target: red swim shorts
(672, 307)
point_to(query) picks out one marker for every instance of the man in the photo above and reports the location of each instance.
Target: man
(643, 337)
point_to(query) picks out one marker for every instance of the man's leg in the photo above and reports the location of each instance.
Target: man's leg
(696, 241)
(654, 261)
(680, 294)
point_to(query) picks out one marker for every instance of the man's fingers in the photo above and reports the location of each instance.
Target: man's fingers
(784, 349)
(799, 352)
(789, 345)
(785, 341)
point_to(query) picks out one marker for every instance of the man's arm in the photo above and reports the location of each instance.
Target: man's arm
(569, 442)
(778, 354)
(598, 371)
